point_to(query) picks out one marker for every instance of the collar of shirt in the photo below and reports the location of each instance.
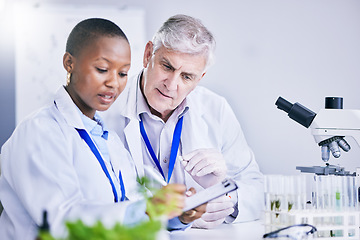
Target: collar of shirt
(95, 126)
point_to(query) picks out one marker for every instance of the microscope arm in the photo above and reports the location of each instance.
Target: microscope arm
(331, 125)
(321, 134)
(328, 126)
(336, 122)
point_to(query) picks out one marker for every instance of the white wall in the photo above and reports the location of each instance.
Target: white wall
(301, 50)
(46, 29)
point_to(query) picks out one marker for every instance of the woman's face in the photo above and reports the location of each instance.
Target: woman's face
(98, 74)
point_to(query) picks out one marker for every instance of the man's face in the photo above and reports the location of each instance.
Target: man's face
(168, 78)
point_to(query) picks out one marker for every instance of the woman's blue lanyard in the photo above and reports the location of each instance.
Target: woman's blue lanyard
(174, 147)
(84, 135)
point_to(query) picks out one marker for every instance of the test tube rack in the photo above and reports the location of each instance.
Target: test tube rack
(330, 225)
(333, 207)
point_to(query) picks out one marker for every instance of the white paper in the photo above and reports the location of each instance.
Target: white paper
(208, 194)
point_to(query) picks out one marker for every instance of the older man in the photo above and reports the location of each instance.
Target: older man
(163, 114)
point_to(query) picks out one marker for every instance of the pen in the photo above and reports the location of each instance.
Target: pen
(154, 175)
(158, 178)
(183, 161)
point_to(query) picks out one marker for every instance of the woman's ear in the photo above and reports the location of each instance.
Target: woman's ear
(68, 62)
(147, 53)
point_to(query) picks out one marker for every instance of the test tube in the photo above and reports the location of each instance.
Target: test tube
(302, 191)
(289, 192)
(327, 188)
(338, 187)
(275, 197)
(327, 193)
(270, 191)
(346, 192)
(318, 203)
(270, 184)
(353, 192)
(297, 191)
(266, 193)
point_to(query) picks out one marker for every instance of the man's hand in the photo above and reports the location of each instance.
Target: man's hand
(206, 166)
(216, 212)
(193, 214)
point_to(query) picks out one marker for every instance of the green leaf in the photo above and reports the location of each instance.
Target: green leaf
(146, 230)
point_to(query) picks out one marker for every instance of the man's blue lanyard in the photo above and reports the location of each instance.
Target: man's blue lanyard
(84, 135)
(174, 147)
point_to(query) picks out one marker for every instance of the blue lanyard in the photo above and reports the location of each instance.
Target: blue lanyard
(84, 135)
(174, 147)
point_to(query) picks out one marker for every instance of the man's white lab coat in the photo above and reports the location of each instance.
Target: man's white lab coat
(209, 123)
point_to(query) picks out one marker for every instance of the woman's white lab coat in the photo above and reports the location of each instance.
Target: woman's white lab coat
(209, 123)
(47, 166)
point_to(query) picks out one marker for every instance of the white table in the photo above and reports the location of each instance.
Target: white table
(245, 231)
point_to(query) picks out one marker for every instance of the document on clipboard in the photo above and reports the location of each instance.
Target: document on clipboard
(208, 194)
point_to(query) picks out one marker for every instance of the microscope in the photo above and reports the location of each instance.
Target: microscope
(329, 127)
(331, 194)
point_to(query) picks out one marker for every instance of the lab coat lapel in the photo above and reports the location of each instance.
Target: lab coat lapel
(114, 153)
(193, 132)
(192, 137)
(67, 108)
(192, 140)
(116, 156)
(132, 135)
(118, 162)
(132, 129)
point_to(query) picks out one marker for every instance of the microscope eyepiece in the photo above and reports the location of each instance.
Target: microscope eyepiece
(283, 104)
(296, 111)
(334, 103)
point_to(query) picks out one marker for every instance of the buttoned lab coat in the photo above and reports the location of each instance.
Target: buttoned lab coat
(46, 165)
(209, 123)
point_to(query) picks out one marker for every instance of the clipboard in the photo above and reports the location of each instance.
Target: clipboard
(208, 194)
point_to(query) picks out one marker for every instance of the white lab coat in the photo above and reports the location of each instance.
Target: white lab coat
(47, 166)
(209, 123)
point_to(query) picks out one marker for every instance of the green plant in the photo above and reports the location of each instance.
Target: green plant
(79, 231)
(146, 230)
(290, 205)
(275, 203)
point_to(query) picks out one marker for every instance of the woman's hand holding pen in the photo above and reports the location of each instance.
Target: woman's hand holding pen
(169, 201)
(172, 198)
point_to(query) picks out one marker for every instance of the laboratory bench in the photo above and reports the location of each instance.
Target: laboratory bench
(246, 231)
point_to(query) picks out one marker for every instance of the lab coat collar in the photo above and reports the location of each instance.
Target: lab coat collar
(192, 102)
(68, 109)
(141, 104)
(127, 105)
(124, 104)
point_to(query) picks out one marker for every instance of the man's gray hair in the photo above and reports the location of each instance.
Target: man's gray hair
(185, 34)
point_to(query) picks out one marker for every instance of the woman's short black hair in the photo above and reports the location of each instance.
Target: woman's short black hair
(88, 30)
